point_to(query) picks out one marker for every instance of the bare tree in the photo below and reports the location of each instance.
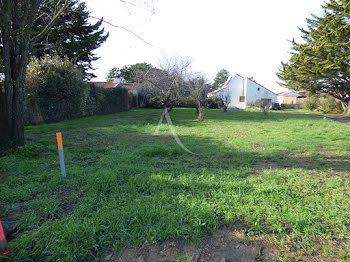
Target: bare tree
(17, 37)
(199, 89)
(169, 81)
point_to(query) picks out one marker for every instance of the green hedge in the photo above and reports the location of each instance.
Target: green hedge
(55, 90)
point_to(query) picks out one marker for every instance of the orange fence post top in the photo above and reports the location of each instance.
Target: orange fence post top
(59, 140)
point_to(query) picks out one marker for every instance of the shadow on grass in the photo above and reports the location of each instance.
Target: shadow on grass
(144, 188)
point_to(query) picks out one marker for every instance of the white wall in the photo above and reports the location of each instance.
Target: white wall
(280, 99)
(251, 90)
(234, 91)
(256, 92)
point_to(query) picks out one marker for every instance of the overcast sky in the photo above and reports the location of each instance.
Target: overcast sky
(248, 37)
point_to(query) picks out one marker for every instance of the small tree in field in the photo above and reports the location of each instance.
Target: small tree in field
(199, 89)
(169, 82)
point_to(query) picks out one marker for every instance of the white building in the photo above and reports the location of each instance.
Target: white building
(238, 91)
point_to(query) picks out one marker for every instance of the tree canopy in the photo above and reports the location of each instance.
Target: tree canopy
(71, 36)
(220, 78)
(129, 73)
(321, 62)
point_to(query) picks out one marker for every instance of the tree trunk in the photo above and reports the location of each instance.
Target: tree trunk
(12, 112)
(4, 132)
(17, 18)
(15, 38)
(200, 112)
(346, 107)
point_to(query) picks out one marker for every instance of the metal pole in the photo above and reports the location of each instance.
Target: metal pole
(61, 155)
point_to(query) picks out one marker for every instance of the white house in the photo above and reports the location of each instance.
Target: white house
(238, 91)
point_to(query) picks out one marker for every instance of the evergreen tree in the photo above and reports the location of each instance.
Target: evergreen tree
(321, 63)
(129, 73)
(71, 36)
(220, 78)
(112, 74)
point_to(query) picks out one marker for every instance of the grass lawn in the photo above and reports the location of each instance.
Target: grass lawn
(282, 176)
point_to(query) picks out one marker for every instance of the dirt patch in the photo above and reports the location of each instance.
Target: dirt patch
(3, 178)
(339, 118)
(11, 214)
(66, 204)
(167, 251)
(228, 244)
(323, 159)
(231, 244)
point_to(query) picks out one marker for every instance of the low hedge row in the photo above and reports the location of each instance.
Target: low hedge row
(55, 90)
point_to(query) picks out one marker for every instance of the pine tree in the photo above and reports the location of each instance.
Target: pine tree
(321, 63)
(220, 78)
(112, 74)
(72, 35)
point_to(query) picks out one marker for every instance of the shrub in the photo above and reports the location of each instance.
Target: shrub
(55, 90)
(214, 102)
(107, 100)
(56, 87)
(311, 102)
(328, 104)
(188, 102)
(155, 102)
(257, 103)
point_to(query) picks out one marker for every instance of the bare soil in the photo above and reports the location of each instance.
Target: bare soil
(228, 244)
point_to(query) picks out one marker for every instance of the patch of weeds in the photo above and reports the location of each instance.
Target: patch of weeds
(345, 255)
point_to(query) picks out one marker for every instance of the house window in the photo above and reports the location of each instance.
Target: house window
(258, 88)
(242, 99)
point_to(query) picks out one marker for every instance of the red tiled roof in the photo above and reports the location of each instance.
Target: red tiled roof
(104, 84)
(290, 93)
(218, 90)
(129, 86)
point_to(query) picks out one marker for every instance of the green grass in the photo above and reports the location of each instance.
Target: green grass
(282, 175)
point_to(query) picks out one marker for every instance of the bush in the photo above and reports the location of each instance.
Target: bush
(56, 87)
(214, 102)
(328, 104)
(258, 103)
(107, 100)
(311, 102)
(155, 102)
(55, 90)
(187, 102)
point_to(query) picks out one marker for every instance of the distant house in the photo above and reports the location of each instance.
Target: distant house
(134, 87)
(105, 84)
(238, 91)
(290, 98)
